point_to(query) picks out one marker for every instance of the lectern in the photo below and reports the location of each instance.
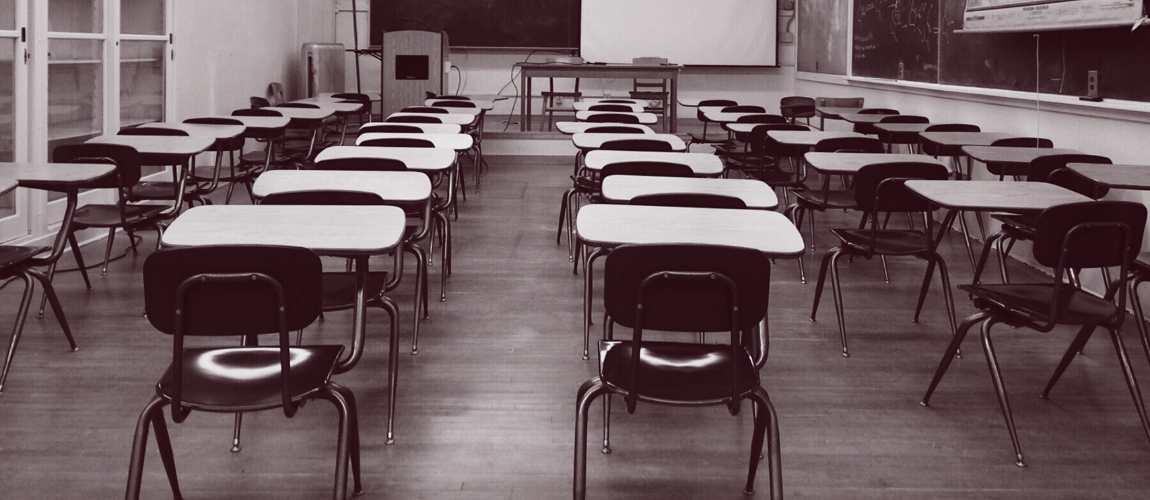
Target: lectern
(413, 64)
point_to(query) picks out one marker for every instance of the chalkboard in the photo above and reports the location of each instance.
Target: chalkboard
(919, 36)
(483, 23)
(822, 36)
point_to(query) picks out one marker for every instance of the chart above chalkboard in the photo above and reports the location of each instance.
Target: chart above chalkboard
(917, 40)
(551, 24)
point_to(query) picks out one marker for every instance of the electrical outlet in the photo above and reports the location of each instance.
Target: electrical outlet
(559, 100)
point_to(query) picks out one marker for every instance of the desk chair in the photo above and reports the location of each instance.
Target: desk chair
(613, 118)
(702, 139)
(425, 109)
(413, 119)
(879, 189)
(1004, 169)
(910, 140)
(810, 201)
(1094, 234)
(258, 102)
(207, 182)
(953, 152)
(794, 107)
(363, 99)
(551, 99)
(476, 132)
(19, 261)
(394, 128)
(240, 291)
(836, 102)
(256, 162)
(684, 288)
(162, 190)
(867, 128)
(653, 91)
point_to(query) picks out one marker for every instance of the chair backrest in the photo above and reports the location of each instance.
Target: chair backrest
(352, 96)
(275, 93)
(413, 119)
(454, 103)
(849, 145)
(362, 164)
(694, 200)
(399, 142)
(636, 145)
(904, 119)
(653, 168)
(839, 102)
(449, 97)
(1040, 168)
(234, 144)
(322, 197)
(744, 108)
(1089, 235)
(877, 111)
(125, 158)
(612, 118)
(762, 118)
(258, 102)
(797, 107)
(389, 128)
(1024, 142)
(879, 187)
(953, 127)
(425, 109)
(214, 120)
(1084, 186)
(616, 101)
(168, 132)
(609, 129)
(256, 112)
(616, 108)
(706, 103)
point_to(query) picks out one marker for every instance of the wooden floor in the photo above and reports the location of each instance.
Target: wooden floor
(486, 409)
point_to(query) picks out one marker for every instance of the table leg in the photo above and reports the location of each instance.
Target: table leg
(524, 105)
(674, 104)
(58, 243)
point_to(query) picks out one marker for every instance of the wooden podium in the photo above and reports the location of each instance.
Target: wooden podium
(413, 64)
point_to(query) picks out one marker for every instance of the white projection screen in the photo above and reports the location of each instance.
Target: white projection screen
(1045, 15)
(689, 32)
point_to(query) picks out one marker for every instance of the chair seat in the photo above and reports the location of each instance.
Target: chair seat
(154, 190)
(204, 173)
(671, 371)
(828, 198)
(12, 255)
(1034, 299)
(886, 241)
(1024, 224)
(339, 289)
(699, 139)
(109, 215)
(248, 378)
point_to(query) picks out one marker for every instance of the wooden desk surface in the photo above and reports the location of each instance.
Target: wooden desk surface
(579, 127)
(261, 122)
(595, 140)
(399, 187)
(834, 112)
(159, 144)
(703, 164)
(962, 138)
(420, 159)
(743, 128)
(458, 142)
(902, 128)
(807, 138)
(325, 229)
(483, 105)
(721, 117)
(609, 225)
(1013, 197)
(50, 176)
(850, 163)
(756, 194)
(427, 128)
(455, 118)
(1136, 177)
(1002, 154)
(461, 111)
(644, 118)
(309, 114)
(334, 105)
(213, 131)
(584, 105)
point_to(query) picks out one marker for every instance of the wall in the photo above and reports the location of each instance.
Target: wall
(226, 51)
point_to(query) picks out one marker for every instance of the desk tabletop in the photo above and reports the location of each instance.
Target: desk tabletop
(610, 225)
(325, 229)
(756, 194)
(578, 127)
(261, 122)
(595, 139)
(962, 138)
(454, 118)
(337, 106)
(857, 117)
(427, 128)
(1013, 197)
(834, 112)
(1003, 154)
(483, 105)
(902, 128)
(807, 137)
(461, 111)
(420, 159)
(644, 118)
(458, 142)
(401, 187)
(1136, 177)
(50, 176)
(703, 164)
(585, 105)
(727, 117)
(850, 163)
(213, 131)
(310, 114)
(743, 128)
(613, 100)
(159, 144)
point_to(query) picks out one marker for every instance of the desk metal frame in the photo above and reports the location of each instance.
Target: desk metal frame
(527, 71)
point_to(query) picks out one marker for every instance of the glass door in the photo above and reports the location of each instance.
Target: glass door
(13, 117)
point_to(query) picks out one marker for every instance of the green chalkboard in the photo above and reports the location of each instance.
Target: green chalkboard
(916, 40)
(483, 23)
